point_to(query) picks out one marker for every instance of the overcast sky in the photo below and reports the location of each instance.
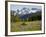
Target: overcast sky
(14, 7)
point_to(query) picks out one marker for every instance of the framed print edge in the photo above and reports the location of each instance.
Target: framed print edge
(6, 18)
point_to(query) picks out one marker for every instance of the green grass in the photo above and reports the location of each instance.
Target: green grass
(30, 26)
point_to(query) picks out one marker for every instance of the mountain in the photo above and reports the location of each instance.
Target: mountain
(25, 12)
(34, 9)
(38, 13)
(25, 16)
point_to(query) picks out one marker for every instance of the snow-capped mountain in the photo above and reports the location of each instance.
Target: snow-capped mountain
(28, 11)
(25, 11)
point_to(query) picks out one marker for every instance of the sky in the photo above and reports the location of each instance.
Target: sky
(14, 7)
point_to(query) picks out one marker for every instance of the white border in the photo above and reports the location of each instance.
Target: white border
(25, 32)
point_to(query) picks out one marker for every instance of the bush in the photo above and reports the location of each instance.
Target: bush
(23, 24)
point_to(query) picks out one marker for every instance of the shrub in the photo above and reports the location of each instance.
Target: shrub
(23, 24)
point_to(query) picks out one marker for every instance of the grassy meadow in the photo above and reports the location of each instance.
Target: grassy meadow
(29, 26)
